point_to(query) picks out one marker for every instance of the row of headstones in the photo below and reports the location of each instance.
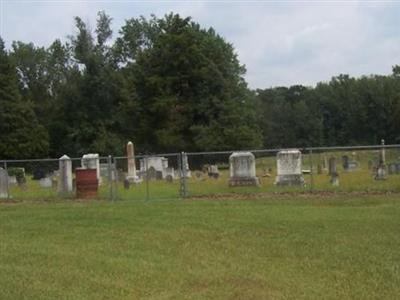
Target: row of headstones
(62, 179)
(242, 167)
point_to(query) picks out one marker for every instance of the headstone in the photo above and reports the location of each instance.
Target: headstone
(3, 184)
(130, 152)
(38, 173)
(397, 167)
(46, 182)
(205, 168)
(65, 179)
(158, 163)
(352, 165)
(333, 171)
(289, 171)
(169, 171)
(345, 162)
(12, 180)
(213, 171)
(380, 173)
(169, 178)
(392, 168)
(92, 161)
(127, 184)
(151, 173)
(325, 163)
(242, 167)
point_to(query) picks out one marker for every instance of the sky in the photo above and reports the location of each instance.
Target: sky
(281, 43)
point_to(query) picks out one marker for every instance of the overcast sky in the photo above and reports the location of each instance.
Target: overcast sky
(281, 43)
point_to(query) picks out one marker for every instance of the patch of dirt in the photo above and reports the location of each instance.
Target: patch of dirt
(277, 195)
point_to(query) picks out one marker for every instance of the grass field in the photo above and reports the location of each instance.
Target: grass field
(343, 246)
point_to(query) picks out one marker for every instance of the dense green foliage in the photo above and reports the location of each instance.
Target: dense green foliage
(170, 85)
(20, 132)
(343, 111)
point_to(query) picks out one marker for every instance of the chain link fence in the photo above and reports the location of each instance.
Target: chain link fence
(205, 174)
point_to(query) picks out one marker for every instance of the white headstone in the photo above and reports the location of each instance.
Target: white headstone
(3, 184)
(12, 180)
(242, 168)
(46, 182)
(289, 168)
(65, 179)
(92, 161)
(158, 163)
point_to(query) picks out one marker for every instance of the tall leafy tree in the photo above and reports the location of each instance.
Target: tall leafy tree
(189, 86)
(93, 95)
(21, 134)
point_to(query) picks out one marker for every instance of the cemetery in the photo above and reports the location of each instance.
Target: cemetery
(144, 155)
(154, 177)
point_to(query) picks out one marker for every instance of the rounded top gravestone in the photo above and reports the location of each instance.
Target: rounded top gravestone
(242, 164)
(242, 167)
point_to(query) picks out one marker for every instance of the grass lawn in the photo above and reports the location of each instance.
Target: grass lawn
(282, 247)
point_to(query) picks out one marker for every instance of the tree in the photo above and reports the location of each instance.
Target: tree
(20, 133)
(189, 86)
(91, 99)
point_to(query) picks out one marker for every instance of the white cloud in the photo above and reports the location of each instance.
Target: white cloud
(280, 43)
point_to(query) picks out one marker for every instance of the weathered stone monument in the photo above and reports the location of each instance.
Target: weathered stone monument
(92, 161)
(242, 167)
(131, 176)
(65, 178)
(12, 180)
(289, 168)
(380, 173)
(158, 163)
(345, 162)
(46, 182)
(325, 163)
(213, 171)
(333, 171)
(3, 184)
(185, 165)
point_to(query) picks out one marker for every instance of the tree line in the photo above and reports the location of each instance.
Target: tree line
(170, 85)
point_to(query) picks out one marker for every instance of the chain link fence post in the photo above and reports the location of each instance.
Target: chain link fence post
(183, 183)
(110, 180)
(310, 157)
(8, 181)
(115, 178)
(146, 163)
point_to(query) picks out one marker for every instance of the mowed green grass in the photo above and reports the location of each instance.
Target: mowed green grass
(283, 247)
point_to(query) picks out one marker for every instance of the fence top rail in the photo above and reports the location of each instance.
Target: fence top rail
(274, 150)
(334, 148)
(139, 156)
(45, 159)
